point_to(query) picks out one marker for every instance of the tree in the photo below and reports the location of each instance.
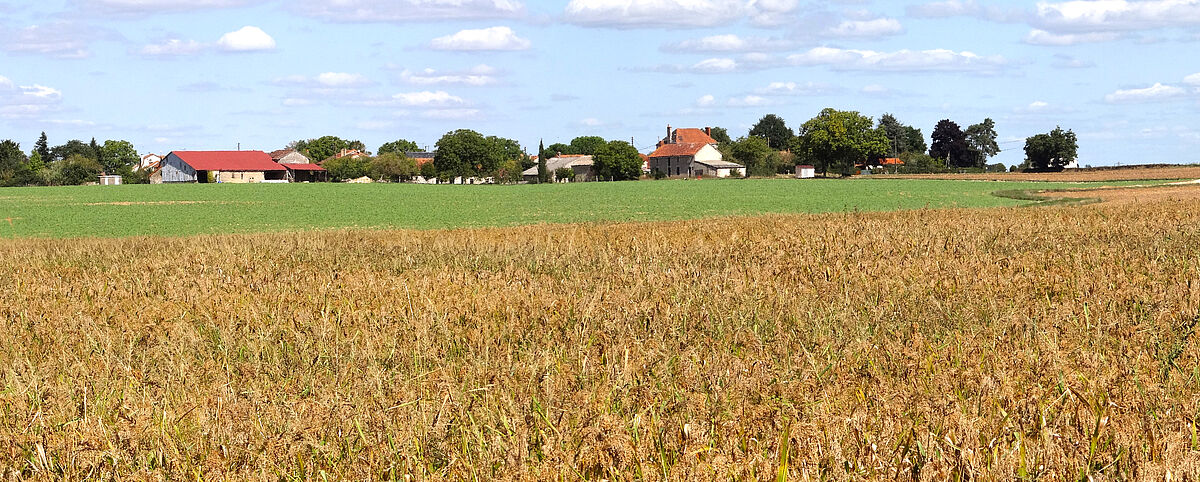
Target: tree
(77, 169)
(754, 153)
(839, 140)
(721, 135)
(42, 147)
(465, 153)
(772, 128)
(392, 166)
(73, 147)
(543, 171)
(559, 148)
(1051, 151)
(619, 161)
(981, 140)
(324, 148)
(36, 164)
(950, 145)
(12, 161)
(399, 146)
(587, 145)
(357, 146)
(118, 157)
(509, 150)
(914, 140)
(901, 138)
(343, 168)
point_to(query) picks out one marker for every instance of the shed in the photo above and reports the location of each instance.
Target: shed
(110, 180)
(221, 167)
(306, 173)
(580, 164)
(806, 172)
(717, 168)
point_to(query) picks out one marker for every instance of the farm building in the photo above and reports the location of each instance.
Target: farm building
(422, 158)
(150, 162)
(110, 180)
(306, 173)
(220, 167)
(690, 153)
(581, 165)
(806, 172)
(289, 156)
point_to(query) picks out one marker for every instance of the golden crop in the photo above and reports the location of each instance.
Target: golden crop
(1056, 343)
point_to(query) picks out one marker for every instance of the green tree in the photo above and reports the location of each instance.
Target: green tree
(772, 128)
(721, 135)
(323, 148)
(560, 148)
(755, 154)
(619, 161)
(1051, 151)
(12, 162)
(465, 153)
(587, 145)
(895, 133)
(838, 141)
(77, 169)
(36, 164)
(345, 168)
(950, 145)
(509, 150)
(118, 157)
(918, 162)
(914, 140)
(42, 147)
(399, 146)
(981, 140)
(392, 166)
(73, 147)
(356, 145)
(543, 171)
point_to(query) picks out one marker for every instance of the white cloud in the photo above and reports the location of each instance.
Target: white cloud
(720, 65)
(706, 101)
(451, 114)
(1063, 61)
(1193, 79)
(143, 7)
(64, 40)
(939, 60)
(494, 38)
(428, 99)
(27, 101)
(1042, 37)
(656, 13)
(341, 79)
(1155, 93)
(793, 88)
(297, 102)
(591, 122)
(246, 39)
(1116, 15)
(749, 101)
(879, 27)
(173, 48)
(477, 76)
(363, 11)
(967, 8)
(726, 43)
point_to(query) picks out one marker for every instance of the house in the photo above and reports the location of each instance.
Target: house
(691, 153)
(290, 156)
(422, 158)
(805, 172)
(582, 165)
(221, 167)
(150, 162)
(351, 153)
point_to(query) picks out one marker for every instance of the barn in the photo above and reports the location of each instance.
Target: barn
(221, 167)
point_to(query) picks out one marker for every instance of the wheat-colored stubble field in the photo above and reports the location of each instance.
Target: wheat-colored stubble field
(1053, 343)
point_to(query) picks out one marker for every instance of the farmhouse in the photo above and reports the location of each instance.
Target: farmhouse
(150, 162)
(221, 166)
(691, 153)
(581, 165)
(299, 167)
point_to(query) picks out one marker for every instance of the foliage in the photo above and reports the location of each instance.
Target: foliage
(950, 145)
(901, 138)
(543, 171)
(772, 128)
(400, 146)
(721, 135)
(73, 147)
(559, 148)
(564, 174)
(42, 147)
(428, 171)
(510, 150)
(392, 166)
(755, 154)
(76, 170)
(12, 160)
(347, 168)
(36, 162)
(118, 156)
(324, 148)
(838, 141)
(467, 153)
(1051, 151)
(586, 145)
(618, 161)
(981, 140)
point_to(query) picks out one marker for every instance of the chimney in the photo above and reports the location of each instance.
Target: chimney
(708, 131)
(668, 138)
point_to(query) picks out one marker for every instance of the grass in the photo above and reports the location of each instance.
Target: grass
(181, 210)
(1055, 343)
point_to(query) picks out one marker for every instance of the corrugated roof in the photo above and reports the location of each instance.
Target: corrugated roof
(229, 160)
(721, 164)
(303, 167)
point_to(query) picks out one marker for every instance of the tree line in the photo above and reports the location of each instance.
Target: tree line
(71, 163)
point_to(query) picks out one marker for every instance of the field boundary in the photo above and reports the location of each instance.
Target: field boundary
(1038, 199)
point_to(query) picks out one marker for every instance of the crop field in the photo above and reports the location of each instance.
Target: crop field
(180, 210)
(1072, 175)
(1056, 343)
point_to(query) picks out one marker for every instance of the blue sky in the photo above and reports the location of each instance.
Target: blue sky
(210, 74)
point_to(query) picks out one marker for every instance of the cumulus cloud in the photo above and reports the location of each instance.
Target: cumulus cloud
(173, 48)
(478, 76)
(798, 89)
(27, 101)
(488, 39)
(726, 43)
(939, 60)
(428, 99)
(1193, 79)
(1116, 15)
(1155, 93)
(660, 13)
(246, 39)
(880, 27)
(1042, 37)
(398, 11)
(451, 114)
(145, 7)
(967, 8)
(706, 101)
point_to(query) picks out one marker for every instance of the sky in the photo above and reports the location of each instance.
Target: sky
(257, 74)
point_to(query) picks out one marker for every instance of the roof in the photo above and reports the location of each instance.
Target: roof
(303, 167)
(280, 154)
(805, 166)
(419, 155)
(147, 156)
(693, 136)
(559, 162)
(678, 150)
(721, 164)
(228, 160)
(892, 161)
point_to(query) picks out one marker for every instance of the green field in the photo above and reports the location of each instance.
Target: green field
(178, 210)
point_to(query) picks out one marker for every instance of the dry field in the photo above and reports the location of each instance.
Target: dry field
(1074, 175)
(1133, 195)
(1050, 343)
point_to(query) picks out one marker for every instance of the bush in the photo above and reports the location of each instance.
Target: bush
(76, 170)
(564, 174)
(392, 167)
(341, 169)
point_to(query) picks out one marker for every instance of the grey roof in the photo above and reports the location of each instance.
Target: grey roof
(556, 163)
(721, 164)
(419, 155)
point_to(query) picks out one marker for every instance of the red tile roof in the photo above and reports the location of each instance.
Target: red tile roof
(892, 161)
(678, 150)
(229, 160)
(693, 136)
(303, 167)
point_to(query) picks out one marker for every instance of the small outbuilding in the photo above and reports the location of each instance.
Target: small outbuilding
(806, 172)
(702, 168)
(306, 173)
(110, 180)
(581, 168)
